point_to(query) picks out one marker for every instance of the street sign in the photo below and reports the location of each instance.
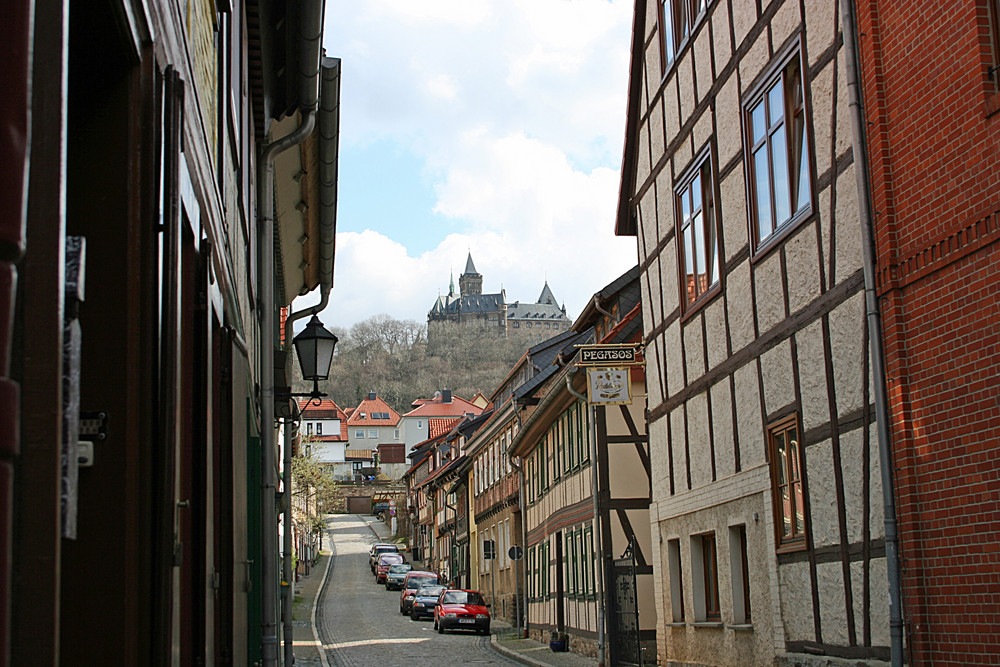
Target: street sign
(609, 354)
(515, 552)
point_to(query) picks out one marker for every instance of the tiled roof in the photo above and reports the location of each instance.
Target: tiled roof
(327, 409)
(333, 437)
(441, 426)
(371, 406)
(436, 407)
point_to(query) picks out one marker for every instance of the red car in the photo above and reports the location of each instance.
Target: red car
(462, 610)
(382, 566)
(414, 580)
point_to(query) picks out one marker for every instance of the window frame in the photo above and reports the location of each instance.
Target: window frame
(710, 572)
(758, 94)
(692, 15)
(796, 541)
(703, 162)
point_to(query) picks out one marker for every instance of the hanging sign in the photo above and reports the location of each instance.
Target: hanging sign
(609, 354)
(609, 386)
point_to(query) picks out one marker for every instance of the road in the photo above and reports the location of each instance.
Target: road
(360, 625)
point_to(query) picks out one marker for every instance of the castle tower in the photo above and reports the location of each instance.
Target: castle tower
(470, 283)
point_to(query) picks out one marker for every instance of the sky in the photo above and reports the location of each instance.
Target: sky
(490, 127)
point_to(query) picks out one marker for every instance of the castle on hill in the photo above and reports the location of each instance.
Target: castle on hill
(470, 307)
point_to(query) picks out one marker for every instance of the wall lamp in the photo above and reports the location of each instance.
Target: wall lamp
(314, 347)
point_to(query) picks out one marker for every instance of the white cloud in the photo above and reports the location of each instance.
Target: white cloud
(518, 109)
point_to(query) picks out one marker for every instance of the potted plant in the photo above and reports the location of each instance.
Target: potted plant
(558, 641)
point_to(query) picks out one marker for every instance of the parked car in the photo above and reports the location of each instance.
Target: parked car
(414, 580)
(424, 601)
(382, 567)
(461, 610)
(394, 577)
(377, 550)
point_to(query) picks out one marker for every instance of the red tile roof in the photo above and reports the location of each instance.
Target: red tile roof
(438, 427)
(436, 407)
(369, 406)
(327, 409)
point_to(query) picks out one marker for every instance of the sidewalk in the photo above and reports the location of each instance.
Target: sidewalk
(306, 647)
(531, 652)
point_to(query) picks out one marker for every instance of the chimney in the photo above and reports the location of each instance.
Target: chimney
(371, 396)
(446, 396)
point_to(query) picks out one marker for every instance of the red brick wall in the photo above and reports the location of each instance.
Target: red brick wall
(935, 168)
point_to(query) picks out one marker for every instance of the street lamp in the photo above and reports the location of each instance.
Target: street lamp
(314, 348)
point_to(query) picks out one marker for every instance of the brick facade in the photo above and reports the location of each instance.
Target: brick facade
(935, 172)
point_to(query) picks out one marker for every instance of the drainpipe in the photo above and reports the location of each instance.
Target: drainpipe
(523, 585)
(597, 515)
(308, 36)
(853, 57)
(269, 539)
(328, 128)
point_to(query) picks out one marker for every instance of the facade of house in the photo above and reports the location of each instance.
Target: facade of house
(930, 107)
(417, 424)
(136, 317)
(371, 427)
(470, 307)
(739, 186)
(587, 495)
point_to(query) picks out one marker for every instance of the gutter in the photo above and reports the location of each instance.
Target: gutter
(308, 36)
(853, 57)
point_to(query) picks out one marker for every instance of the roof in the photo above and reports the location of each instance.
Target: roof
(546, 296)
(436, 407)
(438, 427)
(327, 409)
(362, 415)
(546, 358)
(625, 218)
(469, 266)
(536, 311)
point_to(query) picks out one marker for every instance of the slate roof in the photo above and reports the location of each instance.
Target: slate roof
(469, 266)
(546, 357)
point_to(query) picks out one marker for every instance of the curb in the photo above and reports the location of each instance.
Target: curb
(514, 655)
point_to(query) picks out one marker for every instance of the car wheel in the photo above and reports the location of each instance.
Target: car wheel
(413, 616)
(440, 629)
(401, 611)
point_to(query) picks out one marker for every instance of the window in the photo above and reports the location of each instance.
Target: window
(697, 231)
(740, 574)
(319, 428)
(395, 434)
(785, 455)
(589, 575)
(993, 62)
(705, 575)
(677, 20)
(676, 580)
(777, 152)
(309, 428)
(373, 433)
(359, 433)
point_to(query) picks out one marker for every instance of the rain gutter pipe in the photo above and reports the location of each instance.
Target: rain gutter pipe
(853, 58)
(597, 515)
(522, 599)
(308, 37)
(328, 127)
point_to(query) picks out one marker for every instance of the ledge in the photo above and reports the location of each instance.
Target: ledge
(708, 624)
(741, 627)
(681, 624)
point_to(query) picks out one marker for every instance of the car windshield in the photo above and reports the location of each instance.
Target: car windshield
(390, 559)
(429, 591)
(399, 569)
(463, 597)
(417, 582)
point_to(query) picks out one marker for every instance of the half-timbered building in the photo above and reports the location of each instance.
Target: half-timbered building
(586, 495)
(738, 183)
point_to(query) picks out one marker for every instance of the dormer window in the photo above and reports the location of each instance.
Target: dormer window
(362, 416)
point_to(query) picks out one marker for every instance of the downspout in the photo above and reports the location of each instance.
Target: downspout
(597, 307)
(328, 127)
(853, 57)
(597, 515)
(522, 609)
(309, 37)
(269, 537)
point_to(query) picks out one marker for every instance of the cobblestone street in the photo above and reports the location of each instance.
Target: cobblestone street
(360, 624)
